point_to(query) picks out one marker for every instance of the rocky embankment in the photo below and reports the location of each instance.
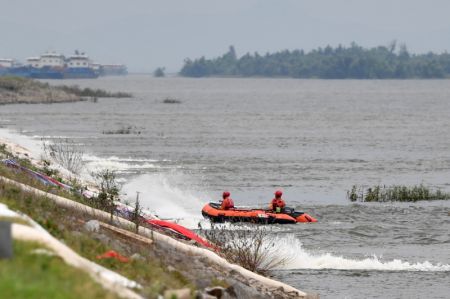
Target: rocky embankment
(14, 90)
(204, 273)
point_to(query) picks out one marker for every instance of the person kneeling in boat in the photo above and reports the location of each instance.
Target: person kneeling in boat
(277, 205)
(227, 202)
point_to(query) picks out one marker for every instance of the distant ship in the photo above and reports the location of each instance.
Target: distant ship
(113, 70)
(56, 66)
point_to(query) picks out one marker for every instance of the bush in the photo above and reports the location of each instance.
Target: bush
(252, 247)
(109, 191)
(66, 153)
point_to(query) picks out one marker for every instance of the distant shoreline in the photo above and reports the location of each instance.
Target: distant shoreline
(341, 62)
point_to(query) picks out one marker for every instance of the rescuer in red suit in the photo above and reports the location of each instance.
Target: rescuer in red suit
(227, 202)
(277, 205)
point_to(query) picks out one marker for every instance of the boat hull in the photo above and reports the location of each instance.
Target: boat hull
(50, 73)
(80, 73)
(215, 214)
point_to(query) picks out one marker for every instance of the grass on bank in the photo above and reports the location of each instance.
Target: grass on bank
(149, 270)
(93, 93)
(21, 177)
(395, 193)
(36, 276)
(19, 85)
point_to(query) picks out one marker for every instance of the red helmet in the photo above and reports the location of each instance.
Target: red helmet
(225, 194)
(278, 193)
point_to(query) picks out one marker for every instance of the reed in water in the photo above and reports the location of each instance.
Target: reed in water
(384, 193)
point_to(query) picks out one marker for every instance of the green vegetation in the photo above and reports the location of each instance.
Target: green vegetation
(382, 62)
(159, 72)
(395, 193)
(27, 180)
(93, 93)
(124, 130)
(109, 192)
(17, 84)
(66, 153)
(171, 101)
(14, 90)
(31, 275)
(157, 267)
(106, 179)
(149, 270)
(5, 154)
(252, 248)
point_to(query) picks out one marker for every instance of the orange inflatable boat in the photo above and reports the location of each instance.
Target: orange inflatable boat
(214, 213)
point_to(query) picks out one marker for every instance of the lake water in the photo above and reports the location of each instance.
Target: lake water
(313, 139)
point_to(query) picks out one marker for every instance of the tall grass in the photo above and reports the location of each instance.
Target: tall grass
(96, 93)
(401, 193)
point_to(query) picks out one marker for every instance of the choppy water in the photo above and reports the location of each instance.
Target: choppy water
(312, 138)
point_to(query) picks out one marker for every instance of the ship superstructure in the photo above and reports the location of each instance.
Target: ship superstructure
(53, 65)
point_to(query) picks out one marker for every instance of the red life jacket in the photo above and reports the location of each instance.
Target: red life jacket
(227, 204)
(278, 202)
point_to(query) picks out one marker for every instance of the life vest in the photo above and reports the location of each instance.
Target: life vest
(278, 204)
(227, 204)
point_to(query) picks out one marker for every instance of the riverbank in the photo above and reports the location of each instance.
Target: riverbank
(16, 90)
(180, 265)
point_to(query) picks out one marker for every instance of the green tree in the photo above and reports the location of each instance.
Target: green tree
(331, 63)
(159, 72)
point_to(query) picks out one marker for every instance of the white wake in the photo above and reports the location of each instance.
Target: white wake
(299, 258)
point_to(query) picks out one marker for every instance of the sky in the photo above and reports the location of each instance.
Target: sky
(146, 34)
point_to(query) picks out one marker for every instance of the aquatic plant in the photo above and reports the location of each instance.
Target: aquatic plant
(93, 93)
(171, 101)
(395, 193)
(124, 130)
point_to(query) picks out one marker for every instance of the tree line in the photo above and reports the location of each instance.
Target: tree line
(382, 62)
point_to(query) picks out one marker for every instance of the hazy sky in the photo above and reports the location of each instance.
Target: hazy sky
(145, 34)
